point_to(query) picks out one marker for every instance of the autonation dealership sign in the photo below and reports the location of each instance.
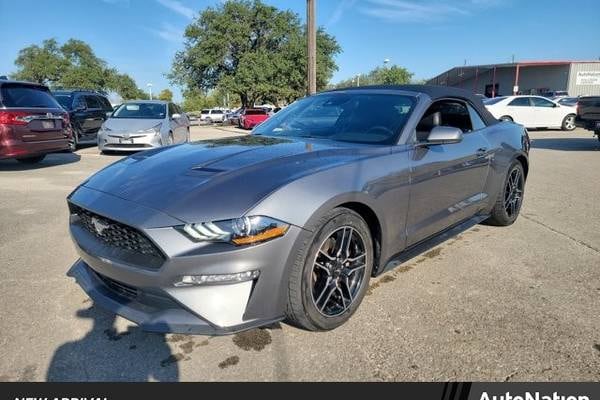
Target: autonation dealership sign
(588, 78)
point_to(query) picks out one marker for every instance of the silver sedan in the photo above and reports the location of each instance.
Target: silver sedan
(143, 124)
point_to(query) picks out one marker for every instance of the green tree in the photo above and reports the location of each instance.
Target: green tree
(165, 95)
(125, 86)
(252, 50)
(41, 64)
(73, 64)
(394, 75)
(195, 100)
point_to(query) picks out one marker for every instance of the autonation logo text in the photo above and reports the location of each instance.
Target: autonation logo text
(531, 396)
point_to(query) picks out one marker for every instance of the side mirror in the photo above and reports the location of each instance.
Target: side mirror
(175, 116)
(444, 135)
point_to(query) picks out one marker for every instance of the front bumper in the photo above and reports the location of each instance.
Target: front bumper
(146, 294)
(109, 141)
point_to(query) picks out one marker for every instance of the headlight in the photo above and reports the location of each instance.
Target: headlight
(239, 231)
(154, 129)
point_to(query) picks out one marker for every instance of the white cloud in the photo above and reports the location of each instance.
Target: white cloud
(168, 32)
(423, 11)
(339, 11)
(178, 7)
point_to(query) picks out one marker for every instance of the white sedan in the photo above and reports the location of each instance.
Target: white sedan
(532, 112)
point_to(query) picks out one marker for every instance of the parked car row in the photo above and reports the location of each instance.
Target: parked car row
(532, 111)
(565, 113)
(35, 122)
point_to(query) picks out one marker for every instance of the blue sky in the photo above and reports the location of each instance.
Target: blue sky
(140, 37)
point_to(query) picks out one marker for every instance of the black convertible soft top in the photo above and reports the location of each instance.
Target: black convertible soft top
(435, 93)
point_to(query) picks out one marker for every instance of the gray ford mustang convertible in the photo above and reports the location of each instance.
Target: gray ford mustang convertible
(291, 221)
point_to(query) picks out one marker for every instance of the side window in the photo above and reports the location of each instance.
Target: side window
(105, 103)
(79, 103)
(520, 102)
(541, 102)
(92, 102)
(452, 113)
(171, 109)
(476, 120)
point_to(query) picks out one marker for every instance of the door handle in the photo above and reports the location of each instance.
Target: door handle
(481, 151)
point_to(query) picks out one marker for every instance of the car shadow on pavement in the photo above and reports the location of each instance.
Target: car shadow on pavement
(51, 160)
(567, 144)
(105, 354)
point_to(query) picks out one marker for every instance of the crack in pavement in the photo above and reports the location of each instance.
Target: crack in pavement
(580, 242)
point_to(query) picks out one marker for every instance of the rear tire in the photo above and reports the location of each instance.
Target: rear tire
(568, 123)
(74, 143)
(331, 272)
(506, 118)
(509, 201)
(31, 160)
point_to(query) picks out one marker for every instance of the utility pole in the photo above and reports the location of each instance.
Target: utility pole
(311, 33)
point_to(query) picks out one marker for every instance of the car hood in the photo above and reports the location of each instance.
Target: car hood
(131, 124)
(220, 179)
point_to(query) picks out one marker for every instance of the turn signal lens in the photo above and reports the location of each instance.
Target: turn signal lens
(239, 231)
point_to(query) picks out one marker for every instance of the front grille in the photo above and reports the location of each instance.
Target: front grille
(120, 288)
(116, 234)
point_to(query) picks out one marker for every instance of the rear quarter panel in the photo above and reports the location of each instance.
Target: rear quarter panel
(509, 141)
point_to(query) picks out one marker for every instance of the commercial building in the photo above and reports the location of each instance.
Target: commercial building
(577, 78)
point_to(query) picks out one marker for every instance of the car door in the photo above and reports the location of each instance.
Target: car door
(94, 115)
(547, 113)
(184, 123)
(176, 125)
(521, 111)
(447, 180)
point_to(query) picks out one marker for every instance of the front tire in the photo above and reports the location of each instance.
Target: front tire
(331, 272)
(509, 201)
(568, 123)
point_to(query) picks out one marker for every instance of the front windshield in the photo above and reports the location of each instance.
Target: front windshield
(141, 111)
(372, 118)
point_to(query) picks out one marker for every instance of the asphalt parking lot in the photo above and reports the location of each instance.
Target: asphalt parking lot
(518, 303)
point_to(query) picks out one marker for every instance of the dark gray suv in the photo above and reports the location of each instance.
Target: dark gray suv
(87, 109)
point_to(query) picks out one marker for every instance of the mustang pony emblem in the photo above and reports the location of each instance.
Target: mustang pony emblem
(99, 225)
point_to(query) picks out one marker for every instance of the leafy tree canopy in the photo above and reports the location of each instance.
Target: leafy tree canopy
(394, 75)
(165, 95)
(252, 50)
(72, 65)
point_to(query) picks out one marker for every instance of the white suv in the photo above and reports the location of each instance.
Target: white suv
(212, 115)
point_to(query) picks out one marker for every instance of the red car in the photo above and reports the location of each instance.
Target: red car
(251, 117)
(32, 123)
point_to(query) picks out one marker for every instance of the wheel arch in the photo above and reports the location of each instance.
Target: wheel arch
(370, 217)
(524, 162)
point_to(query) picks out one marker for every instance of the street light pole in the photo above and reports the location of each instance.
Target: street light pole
(150, 89)
(311, 44)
